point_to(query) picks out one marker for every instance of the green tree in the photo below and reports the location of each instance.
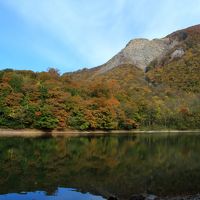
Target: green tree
(16, 82)
(78, 121)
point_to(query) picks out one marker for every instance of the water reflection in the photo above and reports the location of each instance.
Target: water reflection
(61, 194)
(118, 165)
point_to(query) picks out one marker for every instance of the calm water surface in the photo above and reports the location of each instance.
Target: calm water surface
(94, 168)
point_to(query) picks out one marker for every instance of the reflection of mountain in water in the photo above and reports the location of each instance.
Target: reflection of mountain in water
(120, 166)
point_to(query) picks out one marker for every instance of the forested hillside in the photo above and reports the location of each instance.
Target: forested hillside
(166, 96)
(176, 70)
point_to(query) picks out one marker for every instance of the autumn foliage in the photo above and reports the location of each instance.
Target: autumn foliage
(166, 96)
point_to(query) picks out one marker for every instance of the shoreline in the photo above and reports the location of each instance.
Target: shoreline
(34, 133)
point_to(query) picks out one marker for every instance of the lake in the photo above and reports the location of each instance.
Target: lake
(94, 168)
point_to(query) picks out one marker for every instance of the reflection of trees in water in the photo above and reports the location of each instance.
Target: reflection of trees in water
(120, 165)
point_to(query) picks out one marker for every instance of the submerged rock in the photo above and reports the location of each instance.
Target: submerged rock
(143, 197)
(137, 197)
(151, 197)
(112, 198)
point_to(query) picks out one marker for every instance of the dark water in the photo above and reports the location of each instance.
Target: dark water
(98, 167)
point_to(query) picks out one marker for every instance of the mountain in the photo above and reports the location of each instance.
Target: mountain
(150, 84)
(143, 53)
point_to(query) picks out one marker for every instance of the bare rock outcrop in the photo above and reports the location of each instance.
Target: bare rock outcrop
(177, 53)
(139, 52)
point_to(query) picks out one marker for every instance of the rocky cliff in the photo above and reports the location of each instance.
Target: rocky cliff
(140, 52)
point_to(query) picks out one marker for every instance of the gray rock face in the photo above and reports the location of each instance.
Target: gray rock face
(139, 52)
(177, 53)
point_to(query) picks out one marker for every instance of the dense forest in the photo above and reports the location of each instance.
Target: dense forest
(166, 96)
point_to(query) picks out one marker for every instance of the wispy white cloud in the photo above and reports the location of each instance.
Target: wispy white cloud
(96, 30)
(82, 26)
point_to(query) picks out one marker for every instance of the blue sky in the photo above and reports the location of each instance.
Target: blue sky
(72, 34)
